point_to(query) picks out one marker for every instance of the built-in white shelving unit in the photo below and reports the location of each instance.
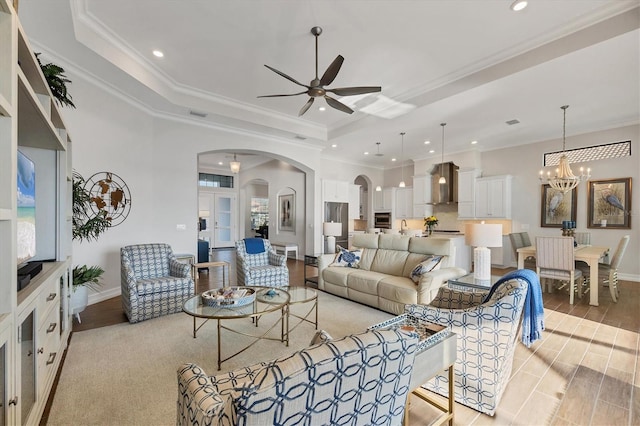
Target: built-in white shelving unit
(35, 322)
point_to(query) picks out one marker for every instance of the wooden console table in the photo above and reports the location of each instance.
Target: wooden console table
(221, 263)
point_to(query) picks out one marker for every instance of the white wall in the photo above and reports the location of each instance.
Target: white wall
(282, 178)
(157, 158)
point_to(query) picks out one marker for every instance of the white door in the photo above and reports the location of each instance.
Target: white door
(224, 226)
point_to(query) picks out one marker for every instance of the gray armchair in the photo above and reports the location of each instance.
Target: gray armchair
(153, 282)
(258, 264)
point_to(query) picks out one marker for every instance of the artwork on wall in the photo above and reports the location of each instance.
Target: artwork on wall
(286, 215)
(609, 203)
(557, 207)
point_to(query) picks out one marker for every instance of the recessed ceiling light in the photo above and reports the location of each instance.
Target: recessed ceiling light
(321, 109)
(220, 163)
(158, 53)
(393, 159)
(366, 153)
(427, 142)
(518, 5)
(334, 146)
(474, 142)
(431, 151)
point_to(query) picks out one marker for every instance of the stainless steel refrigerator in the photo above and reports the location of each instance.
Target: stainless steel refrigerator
(338, 212)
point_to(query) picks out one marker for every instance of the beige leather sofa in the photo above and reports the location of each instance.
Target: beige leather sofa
(382, 278)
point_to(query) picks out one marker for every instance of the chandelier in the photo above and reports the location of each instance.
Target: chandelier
(234, 165)
(564, 180)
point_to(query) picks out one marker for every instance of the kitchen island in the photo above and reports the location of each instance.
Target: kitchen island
(463, 251)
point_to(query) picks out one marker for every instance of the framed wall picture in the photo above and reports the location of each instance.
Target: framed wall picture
(287, 213)
(609, 204)
(557, 207)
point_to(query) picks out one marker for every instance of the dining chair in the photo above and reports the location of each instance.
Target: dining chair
(519, 240)
(555, 260)
(608, 272)
(582, 238)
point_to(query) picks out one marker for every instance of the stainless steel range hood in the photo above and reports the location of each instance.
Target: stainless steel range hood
(446, 193)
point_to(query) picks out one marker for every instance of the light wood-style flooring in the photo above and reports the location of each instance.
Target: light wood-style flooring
(585, 371)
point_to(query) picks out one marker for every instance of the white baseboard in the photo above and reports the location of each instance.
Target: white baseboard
(104, 295)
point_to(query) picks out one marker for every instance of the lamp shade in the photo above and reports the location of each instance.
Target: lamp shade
(483, 235)
(332, 229)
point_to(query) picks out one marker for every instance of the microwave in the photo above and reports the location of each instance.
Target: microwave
(382, 220)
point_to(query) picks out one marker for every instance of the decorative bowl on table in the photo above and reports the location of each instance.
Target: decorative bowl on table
(228, 297)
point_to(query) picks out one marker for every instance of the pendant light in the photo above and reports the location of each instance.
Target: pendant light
(234, 165)
(442, 179)
(402, 185)
(564, 180)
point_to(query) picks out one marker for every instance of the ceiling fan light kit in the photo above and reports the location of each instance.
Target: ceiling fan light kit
(316, 87)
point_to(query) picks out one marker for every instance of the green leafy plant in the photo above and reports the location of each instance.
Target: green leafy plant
(87, 276)
(57, 81)
(86, 225)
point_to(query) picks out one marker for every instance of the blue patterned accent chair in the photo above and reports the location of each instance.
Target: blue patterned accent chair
(153, 282)
(357, 380)
(487, 336)
(267, 268)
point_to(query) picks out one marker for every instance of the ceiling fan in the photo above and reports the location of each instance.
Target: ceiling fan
(317, 86)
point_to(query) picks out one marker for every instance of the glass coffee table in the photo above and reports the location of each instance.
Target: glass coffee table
(262, 305)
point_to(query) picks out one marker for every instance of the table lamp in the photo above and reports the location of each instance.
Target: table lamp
(482, 235)
(331, 230)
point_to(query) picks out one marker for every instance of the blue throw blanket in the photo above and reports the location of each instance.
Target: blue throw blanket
(254, 245)
(533, 314)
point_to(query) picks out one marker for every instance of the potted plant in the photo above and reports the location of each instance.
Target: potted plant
(86, 225)
(57, 81)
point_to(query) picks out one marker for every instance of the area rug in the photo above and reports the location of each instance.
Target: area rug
(125, 374)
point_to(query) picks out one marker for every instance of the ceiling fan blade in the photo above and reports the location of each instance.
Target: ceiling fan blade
(332, 71)
(276, 96)
(350, 91)
(337, 105)
(291, 79)
(306, 106)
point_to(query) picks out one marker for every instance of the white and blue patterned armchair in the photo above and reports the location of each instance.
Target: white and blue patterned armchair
(487, 335)
(265, 268)
(153, 282)
(357, 380)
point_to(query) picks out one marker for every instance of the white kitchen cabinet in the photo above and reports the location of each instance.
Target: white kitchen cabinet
(354, 201)
(384, 200)
(493, 197)
(335, 191)
(404, 203)
(422, 206)
(467, 193)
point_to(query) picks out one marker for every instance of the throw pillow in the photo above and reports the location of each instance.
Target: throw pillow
(430, 263)
(349, 259)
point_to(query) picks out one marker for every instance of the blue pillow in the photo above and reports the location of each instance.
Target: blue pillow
(430, 263)
(347, 258)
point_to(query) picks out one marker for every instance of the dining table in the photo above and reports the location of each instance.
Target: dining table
(589, 254)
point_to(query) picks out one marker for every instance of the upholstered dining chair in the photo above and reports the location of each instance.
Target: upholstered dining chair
(555, 260)
(519, 240)
(583, 238)
(258, 264)
(153, 282)
(608, 272)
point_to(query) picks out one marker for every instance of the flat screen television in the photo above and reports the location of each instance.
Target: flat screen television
(26, 223)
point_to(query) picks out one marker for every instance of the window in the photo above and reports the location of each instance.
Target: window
(215, 181)
(259, 212)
